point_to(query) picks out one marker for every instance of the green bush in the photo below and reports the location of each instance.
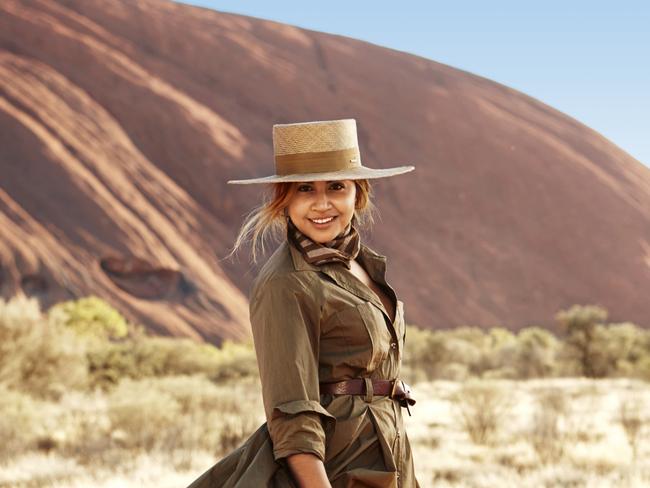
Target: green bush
(90, 317)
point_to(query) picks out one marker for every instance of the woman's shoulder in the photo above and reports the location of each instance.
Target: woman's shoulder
(365, 249)
(280, 270)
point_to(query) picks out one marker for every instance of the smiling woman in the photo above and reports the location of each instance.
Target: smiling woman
(328, 328)
(271, 218)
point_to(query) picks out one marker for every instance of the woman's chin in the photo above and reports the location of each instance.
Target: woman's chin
(322, 237)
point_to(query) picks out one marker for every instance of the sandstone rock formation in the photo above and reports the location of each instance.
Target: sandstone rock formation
(120, 123)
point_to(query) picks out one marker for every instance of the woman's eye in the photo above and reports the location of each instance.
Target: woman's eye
(304, 188)
(337, 186)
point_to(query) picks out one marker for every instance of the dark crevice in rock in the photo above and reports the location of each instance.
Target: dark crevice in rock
(34, 284)
(140, 278)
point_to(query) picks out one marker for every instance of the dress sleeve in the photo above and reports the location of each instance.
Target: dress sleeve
(285, 322)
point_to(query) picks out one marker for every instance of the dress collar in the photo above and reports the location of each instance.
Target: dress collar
(372, 262)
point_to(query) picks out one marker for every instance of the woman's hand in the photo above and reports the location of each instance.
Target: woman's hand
(308, 470)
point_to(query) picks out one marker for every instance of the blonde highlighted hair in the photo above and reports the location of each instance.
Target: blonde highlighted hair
(268, 219)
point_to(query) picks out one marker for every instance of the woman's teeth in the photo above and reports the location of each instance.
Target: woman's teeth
(322, 221)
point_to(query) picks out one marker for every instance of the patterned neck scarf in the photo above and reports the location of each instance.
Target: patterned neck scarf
(343, 248)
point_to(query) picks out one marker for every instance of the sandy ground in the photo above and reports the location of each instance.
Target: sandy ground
(596, 451)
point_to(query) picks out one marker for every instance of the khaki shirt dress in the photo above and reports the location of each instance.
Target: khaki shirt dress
(316, 324)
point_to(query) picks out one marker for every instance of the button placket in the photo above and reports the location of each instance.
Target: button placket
(398, 444)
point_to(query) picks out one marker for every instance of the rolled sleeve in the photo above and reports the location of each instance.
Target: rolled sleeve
(297, 427)
(285, 323)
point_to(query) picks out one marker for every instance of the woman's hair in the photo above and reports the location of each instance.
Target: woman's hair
(269, 218)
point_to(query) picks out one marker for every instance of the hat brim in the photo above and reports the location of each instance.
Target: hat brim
(358, 173)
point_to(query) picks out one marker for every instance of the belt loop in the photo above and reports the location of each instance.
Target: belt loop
(369, 390)
(394, 387)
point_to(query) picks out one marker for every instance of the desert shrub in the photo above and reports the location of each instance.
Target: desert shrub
(441, 354)
(163, 356)
(609, 350)
(498, 355)
(453, 372)
(536, 351)
(90, 317)
(583, 328)
(457, 350)
(642, 367)
(624, 346)
(423, 353)
(18, 423)
(457, 354)
(589, 348)
(142, 412)
(546, 436)
(481, 407)
(109, 362)
(183, 412)
(86, 343)
(37, 356)
(236, 360)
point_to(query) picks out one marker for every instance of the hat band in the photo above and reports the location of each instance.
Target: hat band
(317, 162)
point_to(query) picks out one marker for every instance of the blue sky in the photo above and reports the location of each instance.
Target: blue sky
(589, 59)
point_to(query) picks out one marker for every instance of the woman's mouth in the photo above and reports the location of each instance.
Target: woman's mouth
(322, 223)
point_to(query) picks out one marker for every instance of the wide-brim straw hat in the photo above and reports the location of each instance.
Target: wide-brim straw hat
(317, 151)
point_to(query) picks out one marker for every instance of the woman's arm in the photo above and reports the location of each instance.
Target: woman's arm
(285, 321)
(308, 470)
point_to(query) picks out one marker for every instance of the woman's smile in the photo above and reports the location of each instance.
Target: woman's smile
(323, 222)
(322, 209)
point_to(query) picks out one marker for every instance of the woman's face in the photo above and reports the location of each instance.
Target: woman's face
(332, 201)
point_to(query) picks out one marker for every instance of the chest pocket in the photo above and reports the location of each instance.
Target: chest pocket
(362, 331)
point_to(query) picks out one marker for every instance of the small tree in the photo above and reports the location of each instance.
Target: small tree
(583, 325)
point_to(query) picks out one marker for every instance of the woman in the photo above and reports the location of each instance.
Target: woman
(327, 327)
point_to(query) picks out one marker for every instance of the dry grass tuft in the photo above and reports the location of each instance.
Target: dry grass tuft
(480, 408)
(631, 418)
(546, 437)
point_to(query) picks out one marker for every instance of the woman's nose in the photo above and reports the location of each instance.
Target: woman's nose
(321, 201)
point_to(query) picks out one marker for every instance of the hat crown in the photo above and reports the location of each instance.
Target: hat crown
(319, 150)
(315, 137)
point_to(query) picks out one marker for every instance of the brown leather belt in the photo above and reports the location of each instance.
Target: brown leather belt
(393, 388)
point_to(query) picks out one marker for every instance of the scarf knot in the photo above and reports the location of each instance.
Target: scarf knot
(343, 248)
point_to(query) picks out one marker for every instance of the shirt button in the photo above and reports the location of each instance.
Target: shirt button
(398, 434)
(393, 345)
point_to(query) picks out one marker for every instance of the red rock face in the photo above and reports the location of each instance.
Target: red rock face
(120, 123)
